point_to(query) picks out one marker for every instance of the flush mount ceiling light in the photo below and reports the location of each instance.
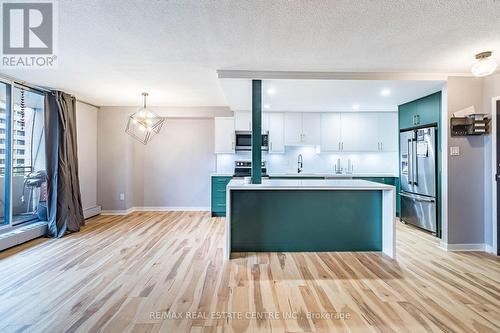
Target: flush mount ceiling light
(144, 124)
(271, 91)
(484, 65)
(385, 92)
(355, 107)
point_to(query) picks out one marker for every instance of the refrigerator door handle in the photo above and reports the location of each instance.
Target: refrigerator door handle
(410, 162)
(417, 197)
(415, 160)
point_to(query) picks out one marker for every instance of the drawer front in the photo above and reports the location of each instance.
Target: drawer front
(219, 184)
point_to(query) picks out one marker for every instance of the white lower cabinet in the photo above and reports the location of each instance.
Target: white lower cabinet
(331, 137)
(224, 135)
(276, 132)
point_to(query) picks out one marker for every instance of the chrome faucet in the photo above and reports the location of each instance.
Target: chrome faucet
(300, 164)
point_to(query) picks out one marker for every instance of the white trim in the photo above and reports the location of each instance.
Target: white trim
(444, 163)
(463, 247)
(172, 209)
(155, 209)
(118, 212)
(92, 211)
(489, 249)
(303, 75)
(22, 234)
(494, 207)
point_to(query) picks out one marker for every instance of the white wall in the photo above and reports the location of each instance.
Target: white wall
(86, 127)
(171, 172)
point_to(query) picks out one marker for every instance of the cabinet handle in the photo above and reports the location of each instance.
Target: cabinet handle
(270, 146)
(232, 145)
(381, 146)
(250, 126)
(339, 147)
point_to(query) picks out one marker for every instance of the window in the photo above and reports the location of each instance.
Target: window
(26, 201)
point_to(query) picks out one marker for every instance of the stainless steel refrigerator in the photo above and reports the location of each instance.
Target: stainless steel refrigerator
(418, 163)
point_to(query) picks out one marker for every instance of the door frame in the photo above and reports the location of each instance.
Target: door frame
(494, 220)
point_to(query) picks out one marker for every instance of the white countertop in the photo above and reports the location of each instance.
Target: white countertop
(296, 184)
(329, 175)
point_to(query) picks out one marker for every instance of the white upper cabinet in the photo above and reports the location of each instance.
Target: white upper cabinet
(388, 132)
(224, 135)
(302, 128)
(293, 128)
(330, 132)
(311, 128)
(359, 132)
(243, 121)
(276, 132)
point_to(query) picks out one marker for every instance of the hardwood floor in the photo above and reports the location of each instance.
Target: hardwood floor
(129, 273)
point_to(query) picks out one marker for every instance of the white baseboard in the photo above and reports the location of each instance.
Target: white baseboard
(155, 209)
(92, 211)
(481, 247)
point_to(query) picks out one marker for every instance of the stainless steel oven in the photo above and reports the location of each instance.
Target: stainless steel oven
(244, 141)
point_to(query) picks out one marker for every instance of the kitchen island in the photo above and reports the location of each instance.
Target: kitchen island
(288, 215)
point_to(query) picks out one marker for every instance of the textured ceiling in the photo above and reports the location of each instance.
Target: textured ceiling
(112, 50)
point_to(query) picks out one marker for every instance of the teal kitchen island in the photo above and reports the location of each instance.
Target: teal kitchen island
(286, 215)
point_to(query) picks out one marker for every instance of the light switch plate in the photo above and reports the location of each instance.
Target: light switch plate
(454, 151)
(122, 196)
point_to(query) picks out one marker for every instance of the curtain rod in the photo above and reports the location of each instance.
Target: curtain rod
(37, 88)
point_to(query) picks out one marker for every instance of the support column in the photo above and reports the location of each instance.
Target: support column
(256, 131)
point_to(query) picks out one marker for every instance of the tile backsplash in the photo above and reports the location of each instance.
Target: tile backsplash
(315, 162)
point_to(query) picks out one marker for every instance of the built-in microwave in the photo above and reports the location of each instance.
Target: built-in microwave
(244, 140)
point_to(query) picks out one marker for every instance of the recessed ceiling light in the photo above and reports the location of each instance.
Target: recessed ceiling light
(355, 107)
(484, 65)
(385, 92)
(271, 91)
(267, 106)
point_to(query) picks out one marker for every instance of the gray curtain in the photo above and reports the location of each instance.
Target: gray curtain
(65, 213)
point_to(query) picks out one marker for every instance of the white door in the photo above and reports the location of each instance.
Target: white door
(311, 128)
(388, 131)
(242, 121)
(276, 133)
(330, 132)
(359, 132)
(224, 135)
(293, 128)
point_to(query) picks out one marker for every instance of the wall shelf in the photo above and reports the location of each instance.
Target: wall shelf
(470, 125)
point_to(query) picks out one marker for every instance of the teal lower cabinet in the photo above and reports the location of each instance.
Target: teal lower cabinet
(218, 197)
(306, 220)
(389, 181)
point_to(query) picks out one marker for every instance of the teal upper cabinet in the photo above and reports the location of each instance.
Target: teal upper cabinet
(423, 111)
(429, 109)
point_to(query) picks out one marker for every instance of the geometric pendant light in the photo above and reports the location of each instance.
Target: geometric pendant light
(144, 124)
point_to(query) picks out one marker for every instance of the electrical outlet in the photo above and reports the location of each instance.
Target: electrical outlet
(454, 151)
(122, 196)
